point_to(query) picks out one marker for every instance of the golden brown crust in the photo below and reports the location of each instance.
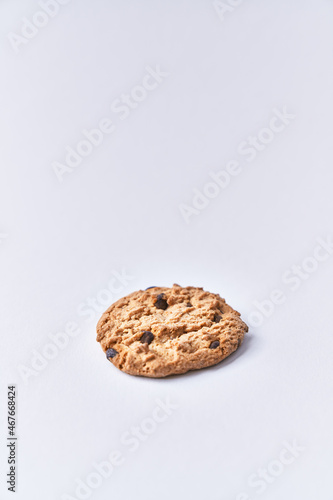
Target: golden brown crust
(188, 329)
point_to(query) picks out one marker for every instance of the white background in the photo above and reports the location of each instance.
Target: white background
(119, 209)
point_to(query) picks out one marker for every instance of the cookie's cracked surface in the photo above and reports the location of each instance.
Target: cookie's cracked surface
(163, 331)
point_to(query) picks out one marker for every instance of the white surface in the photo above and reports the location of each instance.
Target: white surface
(119, 210)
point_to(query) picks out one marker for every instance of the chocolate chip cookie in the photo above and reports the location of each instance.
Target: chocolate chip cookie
(164, 331)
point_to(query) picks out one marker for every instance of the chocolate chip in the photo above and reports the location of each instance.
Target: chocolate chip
(111, 353)
(189, 304)
(161, 303)
(147, 338)
(217, 318)
(214, 344)
(150, 287)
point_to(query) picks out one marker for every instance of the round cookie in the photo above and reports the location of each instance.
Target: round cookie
(164, 331)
